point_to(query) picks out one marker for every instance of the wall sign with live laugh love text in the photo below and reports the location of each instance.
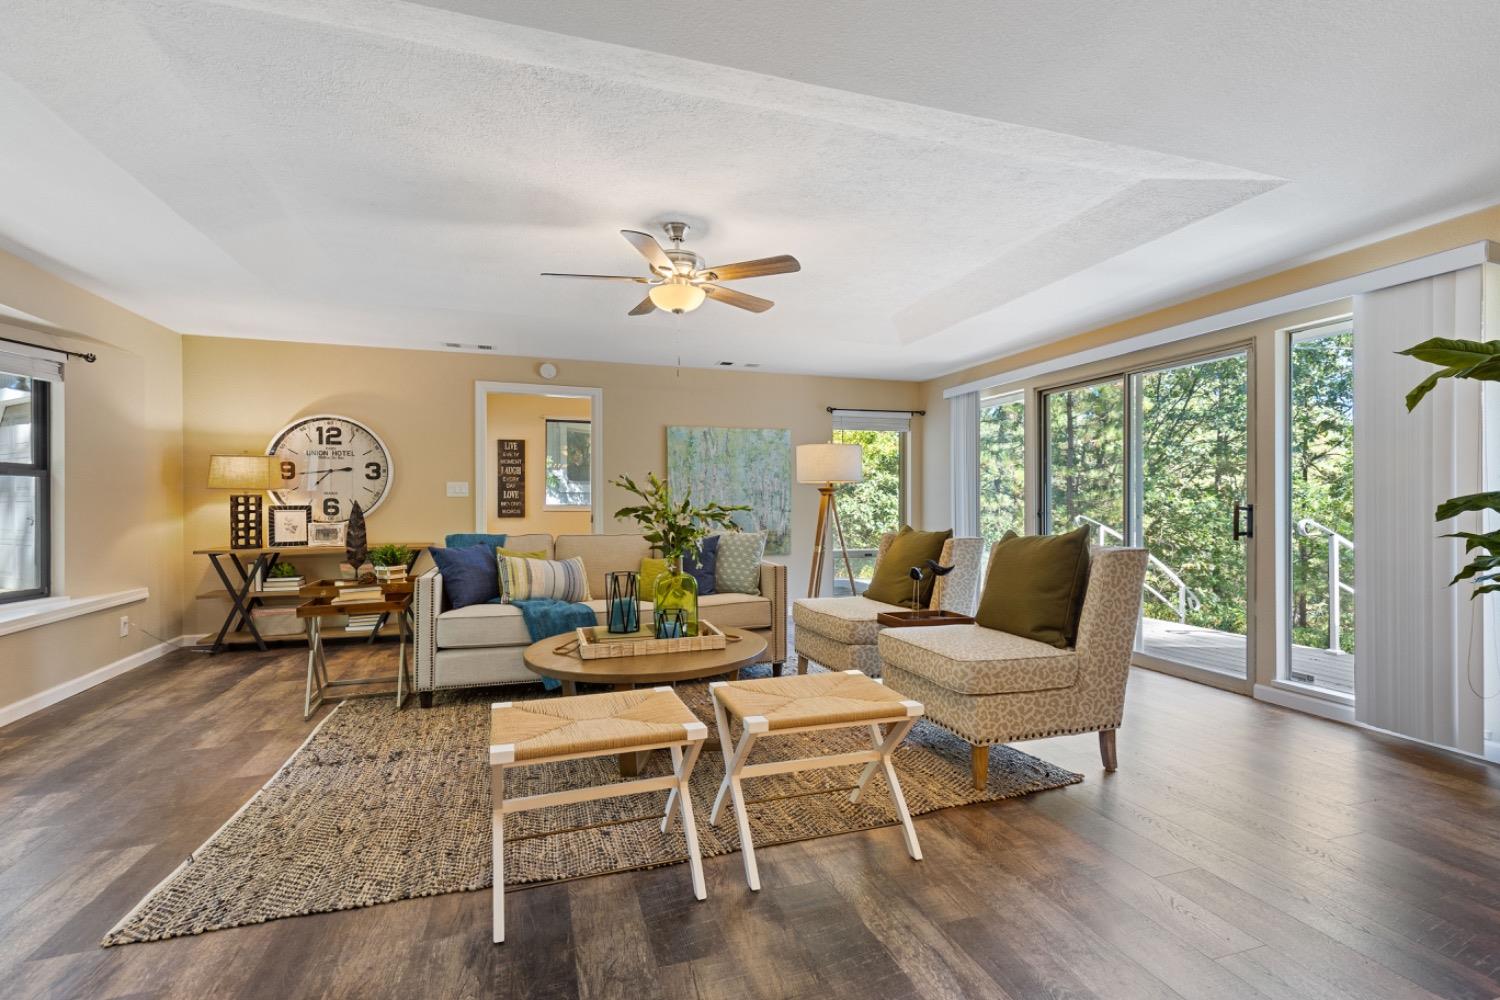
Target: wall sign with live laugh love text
(510, 475)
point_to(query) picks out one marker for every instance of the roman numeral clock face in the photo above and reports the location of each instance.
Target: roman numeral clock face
(330, 463)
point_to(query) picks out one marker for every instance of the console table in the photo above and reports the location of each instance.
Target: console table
(240, 571)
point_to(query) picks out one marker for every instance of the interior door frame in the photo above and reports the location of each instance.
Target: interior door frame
(1131, 482)
(595, 395)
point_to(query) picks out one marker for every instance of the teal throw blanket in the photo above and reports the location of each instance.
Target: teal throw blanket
(546, 617)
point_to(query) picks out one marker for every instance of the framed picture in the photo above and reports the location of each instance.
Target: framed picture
(327, 533)
(288, 524)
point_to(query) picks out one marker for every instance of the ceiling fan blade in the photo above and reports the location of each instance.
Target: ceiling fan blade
(643, 307)
(730, 297)
(784, 264)
(649, 249)
(597, 277)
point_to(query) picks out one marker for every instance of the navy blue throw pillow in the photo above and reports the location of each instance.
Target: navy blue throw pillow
(470, 575)
(704, 564)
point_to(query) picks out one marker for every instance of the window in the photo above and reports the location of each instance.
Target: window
(1002, 467)
(569, 460)
(24, 488)
(871, 508)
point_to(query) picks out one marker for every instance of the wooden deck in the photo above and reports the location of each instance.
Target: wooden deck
(1225, 653)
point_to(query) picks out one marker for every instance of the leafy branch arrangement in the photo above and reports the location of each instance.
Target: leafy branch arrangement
(674, 528)
(1479, 360)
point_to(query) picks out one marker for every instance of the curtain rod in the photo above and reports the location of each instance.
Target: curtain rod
(866, 409)
(90, 358)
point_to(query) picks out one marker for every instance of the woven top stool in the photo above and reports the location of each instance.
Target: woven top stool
(800, 704)
(594, 725)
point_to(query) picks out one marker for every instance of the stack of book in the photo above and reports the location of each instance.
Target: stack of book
(358, 593)
(362, 623)
(281, 584)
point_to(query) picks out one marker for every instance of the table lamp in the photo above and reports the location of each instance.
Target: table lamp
(826, 466)
(243, 473)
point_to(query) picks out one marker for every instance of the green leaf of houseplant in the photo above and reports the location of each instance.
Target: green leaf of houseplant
(1465, 504)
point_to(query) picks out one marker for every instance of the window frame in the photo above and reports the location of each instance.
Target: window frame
(40, 470)
(547, 423)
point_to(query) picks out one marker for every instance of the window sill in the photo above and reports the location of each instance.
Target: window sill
(25, 615)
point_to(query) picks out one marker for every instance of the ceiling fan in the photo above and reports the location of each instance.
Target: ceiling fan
(680, 280)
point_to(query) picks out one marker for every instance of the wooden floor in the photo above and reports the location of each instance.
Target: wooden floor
(1240, 851)
(1225, 652)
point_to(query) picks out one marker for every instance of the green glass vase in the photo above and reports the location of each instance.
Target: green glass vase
(675, 590)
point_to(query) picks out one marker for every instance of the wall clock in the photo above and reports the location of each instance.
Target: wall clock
(330, 462)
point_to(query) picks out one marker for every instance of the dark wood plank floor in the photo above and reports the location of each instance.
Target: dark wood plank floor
(1240, 851)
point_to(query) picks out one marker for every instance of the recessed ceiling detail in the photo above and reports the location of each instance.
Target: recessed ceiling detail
(392, 173)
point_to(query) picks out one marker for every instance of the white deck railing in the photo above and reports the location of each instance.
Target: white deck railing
(1308, 528)
(1185, 599)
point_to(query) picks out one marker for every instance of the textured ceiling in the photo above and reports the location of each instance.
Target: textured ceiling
(958, 180)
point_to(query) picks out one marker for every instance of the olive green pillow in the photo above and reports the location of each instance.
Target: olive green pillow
(1035, 586)
(891, 584)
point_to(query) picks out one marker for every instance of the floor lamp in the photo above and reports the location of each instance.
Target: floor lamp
(826, 466)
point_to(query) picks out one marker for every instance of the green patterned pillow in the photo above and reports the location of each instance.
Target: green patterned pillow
(738, 571)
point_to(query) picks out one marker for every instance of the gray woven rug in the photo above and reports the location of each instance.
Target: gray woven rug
(381, 805)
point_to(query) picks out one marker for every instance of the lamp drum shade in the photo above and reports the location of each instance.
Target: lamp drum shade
(247, 473)
(829, 463)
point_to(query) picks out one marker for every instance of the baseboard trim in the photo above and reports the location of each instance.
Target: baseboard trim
(1321, 707)
(44, 699)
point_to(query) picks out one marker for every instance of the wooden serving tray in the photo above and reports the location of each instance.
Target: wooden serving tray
(910, 619)
(597, 643)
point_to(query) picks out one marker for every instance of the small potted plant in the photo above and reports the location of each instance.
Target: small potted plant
(390, 562)
(283, 576)
(675, 528)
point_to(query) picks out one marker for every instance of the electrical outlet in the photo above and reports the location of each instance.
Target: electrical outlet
(124, 626)
(458, 489)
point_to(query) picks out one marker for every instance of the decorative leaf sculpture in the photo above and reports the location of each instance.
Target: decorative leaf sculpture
(356, 547)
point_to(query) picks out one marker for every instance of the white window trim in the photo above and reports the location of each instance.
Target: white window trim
(25, 615)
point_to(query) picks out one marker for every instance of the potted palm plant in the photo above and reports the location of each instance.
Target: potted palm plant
(674, 528)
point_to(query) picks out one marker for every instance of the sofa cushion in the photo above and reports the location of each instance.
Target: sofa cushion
(843, 619)
(537, 542)
(497, 625)
(470, 575)
(890, 583)
(548, 579)
(738, 570)
(1036, 585)
(971, 659)
(700, 564)
(601, 554)
(733, 610)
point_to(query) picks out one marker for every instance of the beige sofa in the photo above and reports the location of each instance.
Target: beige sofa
(990, 687)
(482, 644)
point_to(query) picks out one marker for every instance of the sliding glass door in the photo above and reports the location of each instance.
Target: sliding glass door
(1160, 458)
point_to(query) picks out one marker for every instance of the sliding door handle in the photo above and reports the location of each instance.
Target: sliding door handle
(1244, 520)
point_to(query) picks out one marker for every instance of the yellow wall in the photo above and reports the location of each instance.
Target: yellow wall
(122, 521)
(935, 477)
(237, 393)
(517, 415)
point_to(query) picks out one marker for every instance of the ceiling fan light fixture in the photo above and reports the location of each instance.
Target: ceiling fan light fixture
(677, 295)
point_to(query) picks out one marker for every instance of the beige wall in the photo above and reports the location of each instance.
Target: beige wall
(517, 415)
(934, 476)
(122, 517)
(239, 392)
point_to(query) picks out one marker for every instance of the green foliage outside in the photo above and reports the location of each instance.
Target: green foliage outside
(871, 508)
(1192, 458)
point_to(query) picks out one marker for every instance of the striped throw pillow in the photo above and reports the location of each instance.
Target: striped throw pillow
(532, 579)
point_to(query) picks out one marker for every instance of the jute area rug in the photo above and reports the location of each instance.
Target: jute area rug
(381, 805)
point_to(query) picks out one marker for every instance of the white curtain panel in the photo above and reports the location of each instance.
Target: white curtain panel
(963, 439)
(1418, 641)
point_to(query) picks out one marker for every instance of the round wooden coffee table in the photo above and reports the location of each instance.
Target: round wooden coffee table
(626, 672)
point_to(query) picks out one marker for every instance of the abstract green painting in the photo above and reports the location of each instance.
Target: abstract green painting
(737, 465)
